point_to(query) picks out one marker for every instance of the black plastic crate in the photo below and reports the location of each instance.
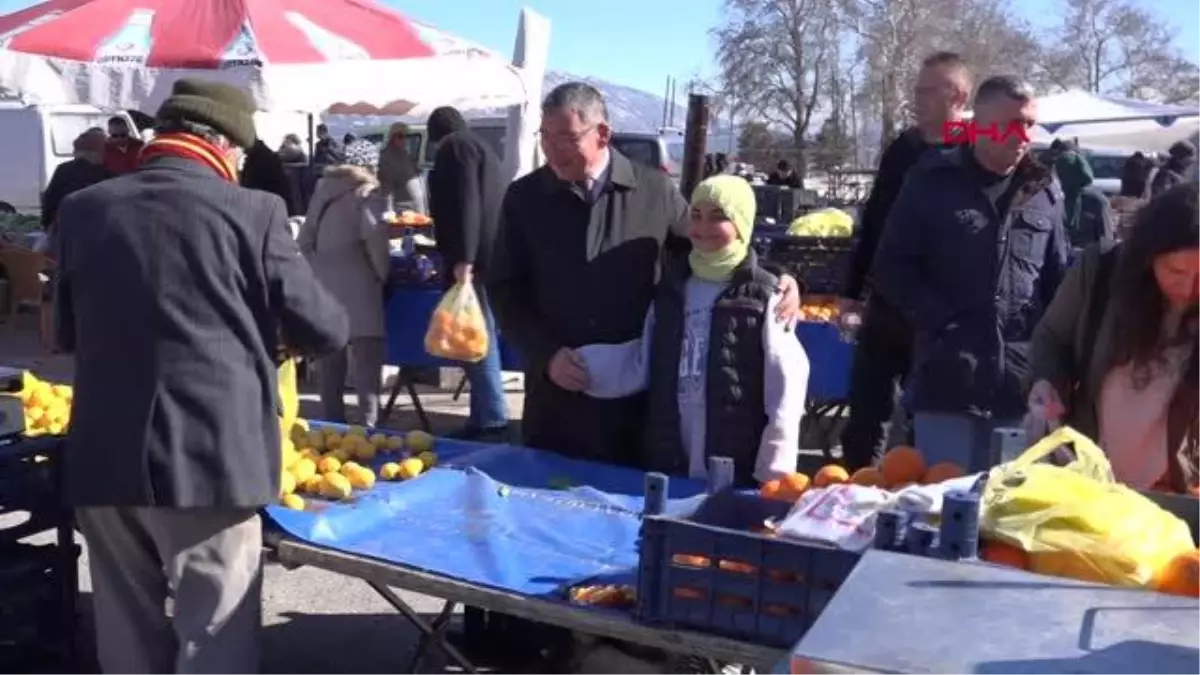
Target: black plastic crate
(29, 475)
(710, 570)
(819, 263)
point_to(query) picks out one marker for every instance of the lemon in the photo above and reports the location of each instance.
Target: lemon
(378, 440)
(411, 468)
(294, 502)
(312, 485)
(429, 459)
(310, 453)
(366, 452)
(333, 442)
(42, 396)
(343, 454)
(356, 431)
(33, 414)
(287, 484)
(389, 471)
(362, 478)
(335, 486)
(330, 432)
(329, 464)
(395, 442)
(303, 469)
(349, 468)
(419, 441)
(61, 391)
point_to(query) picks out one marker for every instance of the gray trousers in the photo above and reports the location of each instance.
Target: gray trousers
(366, 357)
(175, 590)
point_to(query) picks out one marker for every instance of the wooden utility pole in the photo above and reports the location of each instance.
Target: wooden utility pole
(694, 143)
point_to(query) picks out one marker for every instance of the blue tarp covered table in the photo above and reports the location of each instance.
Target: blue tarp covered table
(899, 613)
(501, 527)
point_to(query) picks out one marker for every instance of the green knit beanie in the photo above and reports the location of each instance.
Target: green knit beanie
(224, 107)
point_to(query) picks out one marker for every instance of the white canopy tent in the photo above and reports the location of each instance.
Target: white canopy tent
(1114, 123)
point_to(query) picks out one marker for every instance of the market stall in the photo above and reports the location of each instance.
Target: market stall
(503, 528)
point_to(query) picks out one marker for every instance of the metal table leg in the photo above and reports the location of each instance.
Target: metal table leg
(404, 381)
(432, 633)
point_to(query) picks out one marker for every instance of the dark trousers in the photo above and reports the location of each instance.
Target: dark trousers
(882, 360)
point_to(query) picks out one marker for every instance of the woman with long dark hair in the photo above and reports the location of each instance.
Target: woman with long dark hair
(1115, 355)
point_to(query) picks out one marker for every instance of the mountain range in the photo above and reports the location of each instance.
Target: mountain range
(629, 109)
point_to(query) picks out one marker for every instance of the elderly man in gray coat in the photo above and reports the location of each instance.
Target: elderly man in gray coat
(177, 290)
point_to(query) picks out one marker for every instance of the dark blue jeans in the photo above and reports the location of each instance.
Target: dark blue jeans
(488, 407)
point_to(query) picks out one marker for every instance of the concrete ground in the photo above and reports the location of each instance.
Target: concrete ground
(315, 621)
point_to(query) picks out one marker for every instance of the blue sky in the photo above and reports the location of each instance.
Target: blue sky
(639, 43)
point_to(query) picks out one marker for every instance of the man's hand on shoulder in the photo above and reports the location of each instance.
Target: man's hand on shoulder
(788, 309)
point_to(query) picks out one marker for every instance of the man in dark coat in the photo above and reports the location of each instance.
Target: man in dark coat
(972, 253)
(177, 291)
(883, 348)
(784, 176)
(1180, 158)
(263, 170)
(466, 187)
(576, 263)
(327, 151)
(83, 170)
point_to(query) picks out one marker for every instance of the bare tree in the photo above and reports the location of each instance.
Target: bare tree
(1116, 47)
(780, 48)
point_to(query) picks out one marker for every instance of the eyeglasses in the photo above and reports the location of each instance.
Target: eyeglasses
(565, 139)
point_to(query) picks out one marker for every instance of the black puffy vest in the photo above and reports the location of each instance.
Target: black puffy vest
(736, 414)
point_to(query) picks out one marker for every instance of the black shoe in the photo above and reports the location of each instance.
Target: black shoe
(483, 434)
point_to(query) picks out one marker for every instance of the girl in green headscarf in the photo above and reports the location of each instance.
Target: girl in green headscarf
(724, 378)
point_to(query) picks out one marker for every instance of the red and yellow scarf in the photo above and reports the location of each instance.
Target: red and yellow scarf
(194, 148)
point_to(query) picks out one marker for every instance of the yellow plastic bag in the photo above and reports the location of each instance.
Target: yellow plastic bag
(1077, 521)
(289, 396)
(822, 223)
(457, 330)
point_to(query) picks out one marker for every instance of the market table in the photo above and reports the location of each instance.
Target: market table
(899, 613)
(502, 528)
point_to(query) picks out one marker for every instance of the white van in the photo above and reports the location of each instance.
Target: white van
(35, 140)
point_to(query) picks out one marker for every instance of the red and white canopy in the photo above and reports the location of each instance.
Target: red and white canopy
(294, 55)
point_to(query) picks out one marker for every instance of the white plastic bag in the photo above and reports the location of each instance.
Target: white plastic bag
(838, 515)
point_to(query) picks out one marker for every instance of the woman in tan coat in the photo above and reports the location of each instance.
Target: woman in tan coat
(346, 242)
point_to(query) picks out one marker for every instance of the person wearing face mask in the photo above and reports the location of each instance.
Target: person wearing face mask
(883, 344)
(176, 291)
(1115, 355)
(83, 170)
(972, 253)
(576, 263)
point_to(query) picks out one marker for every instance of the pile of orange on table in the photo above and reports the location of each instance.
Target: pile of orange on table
(899, 468)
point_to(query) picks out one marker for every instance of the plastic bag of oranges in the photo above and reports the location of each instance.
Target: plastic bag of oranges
(458, 330)
(1076, 520)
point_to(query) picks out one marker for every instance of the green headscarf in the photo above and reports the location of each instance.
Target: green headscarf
(1074, 174)
(734, 196)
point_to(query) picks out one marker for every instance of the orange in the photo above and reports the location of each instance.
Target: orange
(902, 464)
(942, 471)
(868, 476)
(830, 474)
(1000, 553)
(1181, 576)
(793, 486)
(771, 489)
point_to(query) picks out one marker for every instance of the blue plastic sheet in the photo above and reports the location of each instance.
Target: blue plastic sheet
(498, 516)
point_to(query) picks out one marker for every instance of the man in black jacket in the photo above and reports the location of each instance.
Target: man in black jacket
(882, 355)
(84, 170)
(176, 290)
(465, 190)
(264, 171)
